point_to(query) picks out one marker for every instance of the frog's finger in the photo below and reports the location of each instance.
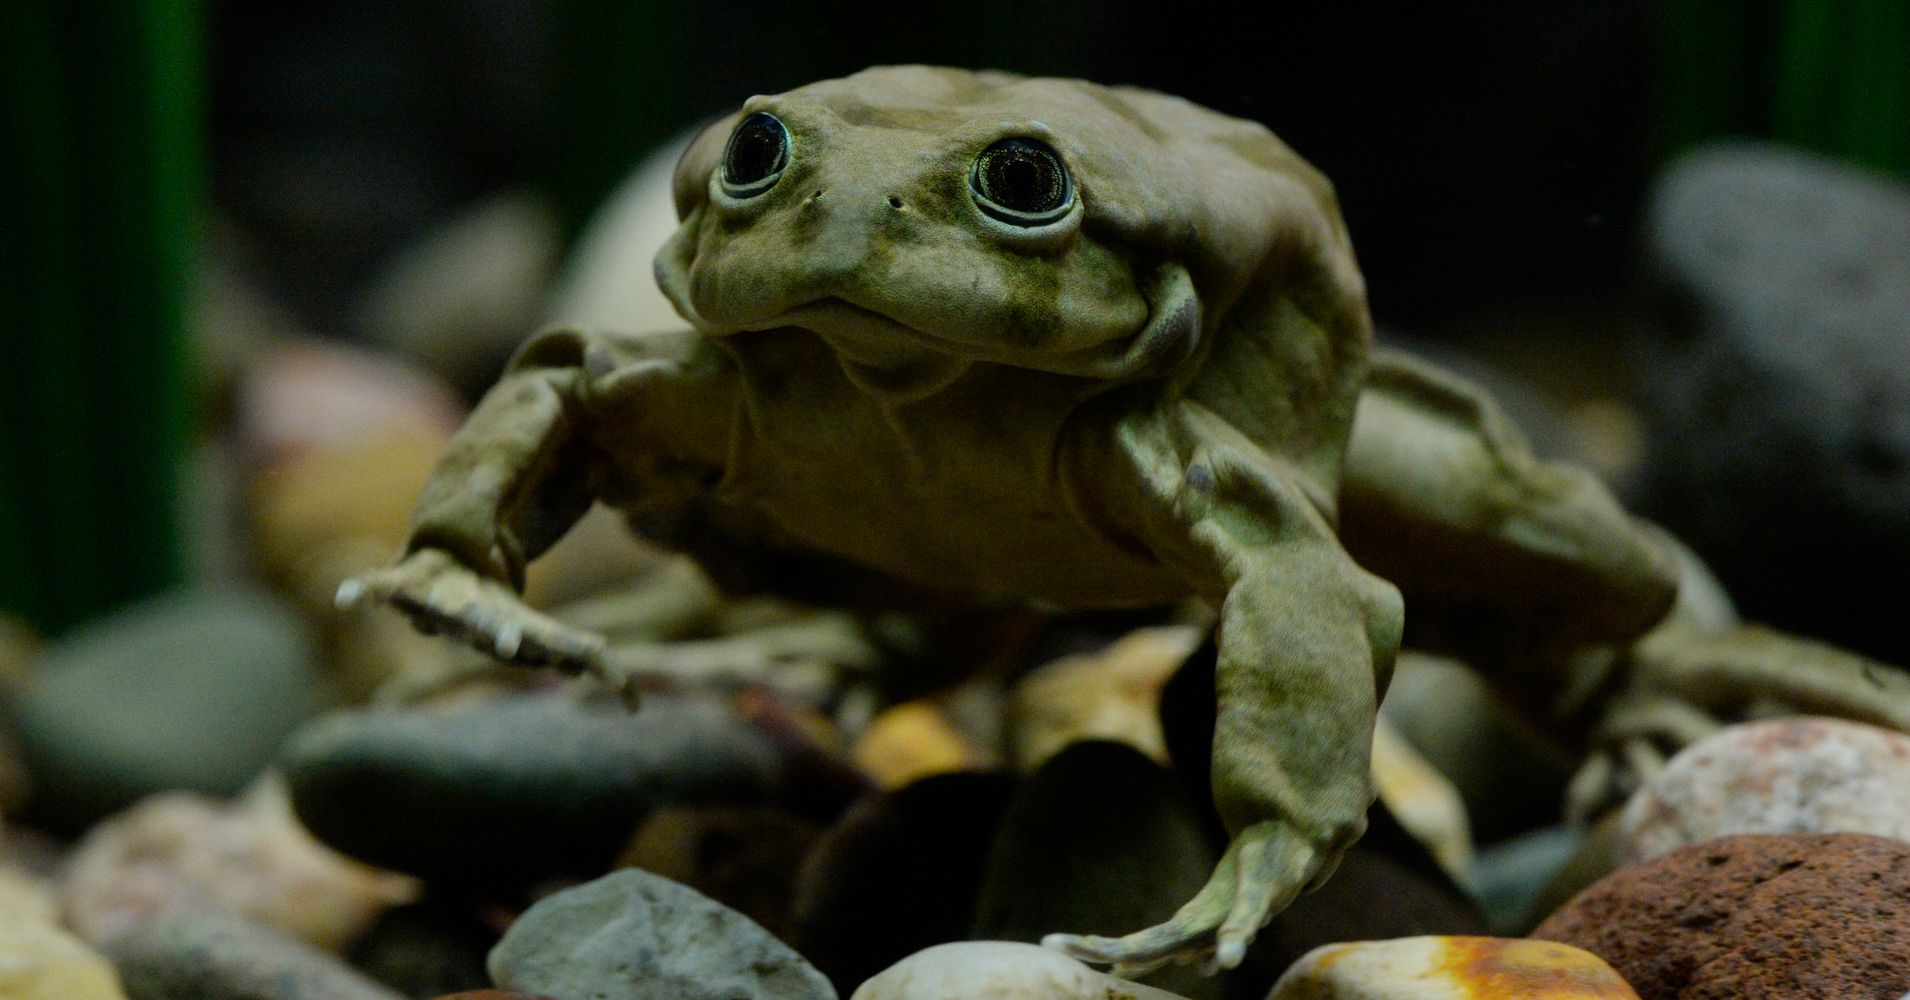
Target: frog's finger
(1274, 866)
(1190, 931)
(410, 575)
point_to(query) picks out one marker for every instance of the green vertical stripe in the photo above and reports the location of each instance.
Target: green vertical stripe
(101, 128)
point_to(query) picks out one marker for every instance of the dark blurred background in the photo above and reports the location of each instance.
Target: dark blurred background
(1493, 160)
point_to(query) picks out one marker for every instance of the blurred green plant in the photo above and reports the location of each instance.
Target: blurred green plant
(1829, 75)
(100, 181)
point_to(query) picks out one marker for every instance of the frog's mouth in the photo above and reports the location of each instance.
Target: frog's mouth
(875, 341)
(881, 355)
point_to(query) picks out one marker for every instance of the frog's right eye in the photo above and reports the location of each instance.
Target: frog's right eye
(755, 158)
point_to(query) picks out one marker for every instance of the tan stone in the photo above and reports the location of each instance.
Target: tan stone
(39, 961)
(998, 970)
(1451, 968)
(912, 741)
(1424, 801)
(251, 858)
(1113, 694)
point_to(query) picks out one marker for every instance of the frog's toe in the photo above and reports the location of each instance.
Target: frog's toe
(1267, 865)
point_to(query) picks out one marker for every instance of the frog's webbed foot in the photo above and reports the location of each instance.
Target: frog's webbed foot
(1266, 866)
(443, 596)
(1685, 683)
(1635, 739)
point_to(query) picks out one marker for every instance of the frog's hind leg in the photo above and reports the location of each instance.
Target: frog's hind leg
(1683, 682)
(1505, 560)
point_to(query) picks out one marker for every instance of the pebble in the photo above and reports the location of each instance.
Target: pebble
(1780, 393)
(509, 790)
(912, 741)
(898, 872)
(186, 955)
(492, 995)
(631, 935)
(1416, 902)
(999, 970)
(40, 961)
(745, 857)
(308, 394)
(462, 296)
(1101, 840)
(192, 690)
(437, 945)
(1793, 775)
(1508, 777)
(1112, 694)
(1777, 917)
(179, 849)
(1451, 968)
(1426, 804)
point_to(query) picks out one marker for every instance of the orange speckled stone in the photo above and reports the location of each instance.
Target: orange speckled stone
(1451, 968)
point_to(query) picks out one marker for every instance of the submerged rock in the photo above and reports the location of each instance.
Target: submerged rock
(1780, 394)
(1451, 968)
(1110, 694)
(1778, 917)
(39, 961)
(192, 690)
(999, 970)
(505, 791)
(745, 857)
(1100, 840)
(217, 956)
(252, 858)
(632, 935)
(898, 872)
(1797, 775)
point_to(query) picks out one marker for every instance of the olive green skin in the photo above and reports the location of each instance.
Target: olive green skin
(1169, 391)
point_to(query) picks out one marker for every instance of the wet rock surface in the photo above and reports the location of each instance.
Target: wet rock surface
(1780, 917)
(40, 961)
(215, 956)
(192, 690)
(251, 858)
(898, 873)
(999, 970)
(1797, 775)
(632, 935)
(1780, 388)
(1451, 968)
(426, 948)
(508, 790)
(745, 857)
(1100, 840)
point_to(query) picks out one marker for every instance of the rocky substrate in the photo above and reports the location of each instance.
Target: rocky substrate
(237, 792)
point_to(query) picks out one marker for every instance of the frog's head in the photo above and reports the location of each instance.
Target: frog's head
(922, 219)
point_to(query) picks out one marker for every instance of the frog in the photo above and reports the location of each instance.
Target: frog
(1089, 347)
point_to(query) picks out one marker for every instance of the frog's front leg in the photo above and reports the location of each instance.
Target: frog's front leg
(1306, 646)
(523, 468)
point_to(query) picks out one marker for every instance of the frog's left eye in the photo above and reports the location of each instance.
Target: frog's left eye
(757, 153)
(1021, 181)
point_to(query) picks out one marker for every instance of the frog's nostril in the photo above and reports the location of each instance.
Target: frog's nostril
(895, 202)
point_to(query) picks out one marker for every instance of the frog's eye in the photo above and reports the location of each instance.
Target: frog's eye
(1021, 181)
(755, 158)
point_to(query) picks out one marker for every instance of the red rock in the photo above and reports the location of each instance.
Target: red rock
(1777, 917)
